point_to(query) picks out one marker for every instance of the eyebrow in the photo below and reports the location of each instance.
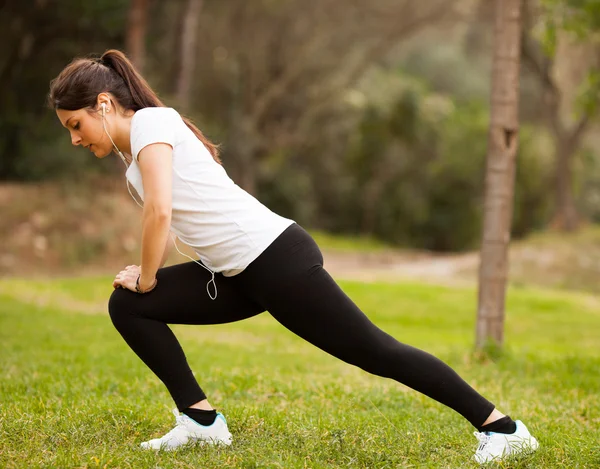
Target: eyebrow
(67, 123)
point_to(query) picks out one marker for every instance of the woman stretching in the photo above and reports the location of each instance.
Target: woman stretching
(250, 261)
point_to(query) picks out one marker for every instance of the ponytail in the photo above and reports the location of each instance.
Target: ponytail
(141, 94)
(79, 84)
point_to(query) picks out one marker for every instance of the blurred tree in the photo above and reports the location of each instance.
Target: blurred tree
(36, 41)
(567, 69)
(188, 47)
(338, 130)
(135, 41)
(271, 70)
(397, 143)
(500, 174)
(410, 169)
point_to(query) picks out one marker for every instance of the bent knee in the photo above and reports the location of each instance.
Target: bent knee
(120, 304)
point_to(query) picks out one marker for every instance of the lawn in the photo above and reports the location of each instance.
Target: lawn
(72, 395)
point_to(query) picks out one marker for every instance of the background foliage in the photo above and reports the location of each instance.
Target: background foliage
(375, 127)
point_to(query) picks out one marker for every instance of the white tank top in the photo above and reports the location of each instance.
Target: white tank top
(224, 225)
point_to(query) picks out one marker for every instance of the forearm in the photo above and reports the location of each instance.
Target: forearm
(167, 250)
(155, 233)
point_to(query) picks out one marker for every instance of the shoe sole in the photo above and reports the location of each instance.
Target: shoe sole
(199, 442)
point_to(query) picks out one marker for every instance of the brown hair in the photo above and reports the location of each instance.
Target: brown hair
(80, 82)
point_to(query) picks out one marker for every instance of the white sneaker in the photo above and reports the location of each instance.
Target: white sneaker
(188, 431)
(497, 446)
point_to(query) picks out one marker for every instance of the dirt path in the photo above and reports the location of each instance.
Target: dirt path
(392, 266)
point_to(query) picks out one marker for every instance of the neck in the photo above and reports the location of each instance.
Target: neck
(122, 135)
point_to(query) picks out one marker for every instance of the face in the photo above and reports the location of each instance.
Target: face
(86, 130)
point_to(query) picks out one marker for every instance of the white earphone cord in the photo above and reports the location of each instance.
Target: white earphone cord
(212, 280)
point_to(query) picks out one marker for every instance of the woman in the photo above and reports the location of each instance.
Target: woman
(252, 261)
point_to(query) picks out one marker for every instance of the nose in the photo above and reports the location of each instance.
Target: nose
(75, 139)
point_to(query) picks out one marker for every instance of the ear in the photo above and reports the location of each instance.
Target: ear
(103, 98)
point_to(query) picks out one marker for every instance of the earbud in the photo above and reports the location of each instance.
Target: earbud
(104, 110)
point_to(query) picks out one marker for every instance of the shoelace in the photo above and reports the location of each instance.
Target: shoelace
(483, 439)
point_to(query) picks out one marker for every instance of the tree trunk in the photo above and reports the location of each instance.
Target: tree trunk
(560, 78)
(187, 61)
(565, 216)
(136, 33)
(500, 173)
(567, 142)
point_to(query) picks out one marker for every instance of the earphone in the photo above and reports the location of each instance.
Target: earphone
(104, 111)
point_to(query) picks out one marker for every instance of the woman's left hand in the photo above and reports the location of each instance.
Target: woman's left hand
(127, 278)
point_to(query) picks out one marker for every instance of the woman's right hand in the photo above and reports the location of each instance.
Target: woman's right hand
(130, 271)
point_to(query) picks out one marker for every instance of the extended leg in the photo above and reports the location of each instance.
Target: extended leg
(301, 295)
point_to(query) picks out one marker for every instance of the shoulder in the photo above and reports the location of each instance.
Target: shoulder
(154, 125)
(155, 114)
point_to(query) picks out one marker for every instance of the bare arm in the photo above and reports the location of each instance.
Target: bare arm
(135, 270)
(168, 249)
(156, 163)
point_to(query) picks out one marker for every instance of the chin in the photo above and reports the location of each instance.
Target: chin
(101, 153)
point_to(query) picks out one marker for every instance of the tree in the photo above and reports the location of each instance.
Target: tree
(500, 173)
(563, 66)
(187, 61)
(37, 39)
(136, 33)
(271, 70)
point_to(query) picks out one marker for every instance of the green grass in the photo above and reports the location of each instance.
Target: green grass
(72, 395)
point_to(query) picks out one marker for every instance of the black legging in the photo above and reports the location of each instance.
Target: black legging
(288, 280)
